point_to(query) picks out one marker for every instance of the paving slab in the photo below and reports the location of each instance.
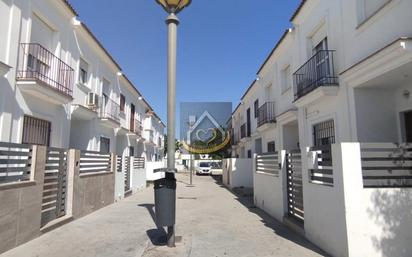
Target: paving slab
(211, 221)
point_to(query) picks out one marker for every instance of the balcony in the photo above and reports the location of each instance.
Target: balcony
(42, 74)
(4, 68)
(136, 127)
(109, 112)
(317, 72)
(266, 114)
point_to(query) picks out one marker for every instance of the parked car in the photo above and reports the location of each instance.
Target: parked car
(204, 168)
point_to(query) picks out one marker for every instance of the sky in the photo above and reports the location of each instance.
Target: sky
(221, 44)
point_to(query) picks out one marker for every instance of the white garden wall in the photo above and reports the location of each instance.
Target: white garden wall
(238, 173)
(150, 167)
(269, 191)
(138, 177)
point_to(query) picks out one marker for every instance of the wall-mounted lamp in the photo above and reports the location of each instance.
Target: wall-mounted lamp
(140, 98)
(119, 74)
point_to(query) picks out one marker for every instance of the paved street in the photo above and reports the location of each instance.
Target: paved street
(211, 220)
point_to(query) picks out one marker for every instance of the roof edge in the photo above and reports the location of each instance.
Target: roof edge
(297, 11)
(274, 49)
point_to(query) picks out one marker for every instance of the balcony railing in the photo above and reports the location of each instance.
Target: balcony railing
(316, 72)
(243, 131)
(266, 114)
(136, 127)
(109, 109)
(38, 63)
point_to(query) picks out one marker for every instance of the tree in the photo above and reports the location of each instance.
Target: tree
(178, 145)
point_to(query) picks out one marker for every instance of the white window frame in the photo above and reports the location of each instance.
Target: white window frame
(286, 78)
(363, 15)
(86, 79)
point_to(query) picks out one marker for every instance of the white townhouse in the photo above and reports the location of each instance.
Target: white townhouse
(330, 70)
(339, 79)
(60, 87)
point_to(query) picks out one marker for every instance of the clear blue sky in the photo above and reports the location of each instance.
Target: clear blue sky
(222, 43)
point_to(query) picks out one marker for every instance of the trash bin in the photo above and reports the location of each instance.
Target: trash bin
(165, 201)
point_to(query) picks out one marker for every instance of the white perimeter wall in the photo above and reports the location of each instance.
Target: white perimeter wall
(150, 167)
(239, 171)
(269, 191)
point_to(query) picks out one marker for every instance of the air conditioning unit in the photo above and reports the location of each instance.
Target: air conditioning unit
(92, 100)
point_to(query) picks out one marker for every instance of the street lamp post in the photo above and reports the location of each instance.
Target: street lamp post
(172, 7)
(191, 123)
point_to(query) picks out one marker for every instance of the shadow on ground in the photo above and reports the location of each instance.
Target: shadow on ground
(157, 236)
(277, 227)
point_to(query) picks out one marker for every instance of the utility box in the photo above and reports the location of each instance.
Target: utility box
(165, 200)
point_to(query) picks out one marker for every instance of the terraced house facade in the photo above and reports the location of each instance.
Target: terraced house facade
(331, 99)
(60, 87)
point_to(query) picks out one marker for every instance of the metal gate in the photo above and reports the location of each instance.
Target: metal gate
(55, 184)
(126, 174)
(294, 185)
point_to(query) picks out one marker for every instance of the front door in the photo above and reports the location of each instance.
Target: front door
(408, 126)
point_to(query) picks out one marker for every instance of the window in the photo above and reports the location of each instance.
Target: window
(324, 133)
(367, 8)
(104, 145)
(271, 147)
(36, 131)
(131, 151)
(106, 87)
(286, 79)
(83, 72)
(122, 102)
(256, 106)
(249, 154)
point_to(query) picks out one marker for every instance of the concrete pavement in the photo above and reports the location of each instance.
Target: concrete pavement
(211, 220)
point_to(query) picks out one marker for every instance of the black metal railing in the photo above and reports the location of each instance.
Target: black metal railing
(109, 109)
(243, 131)
(38, 63)
(316, 72)
(136, 127)
(266, 114)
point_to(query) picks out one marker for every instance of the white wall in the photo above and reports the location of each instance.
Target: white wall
(324, 210)
(379, 221)
(376, 115)
(150, 167)
(138, 178)
(269, 191)
(240, 172)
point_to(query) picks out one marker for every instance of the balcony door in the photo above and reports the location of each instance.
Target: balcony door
(248, 123)
(132, 117)
(322, 60)
(38, 61)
